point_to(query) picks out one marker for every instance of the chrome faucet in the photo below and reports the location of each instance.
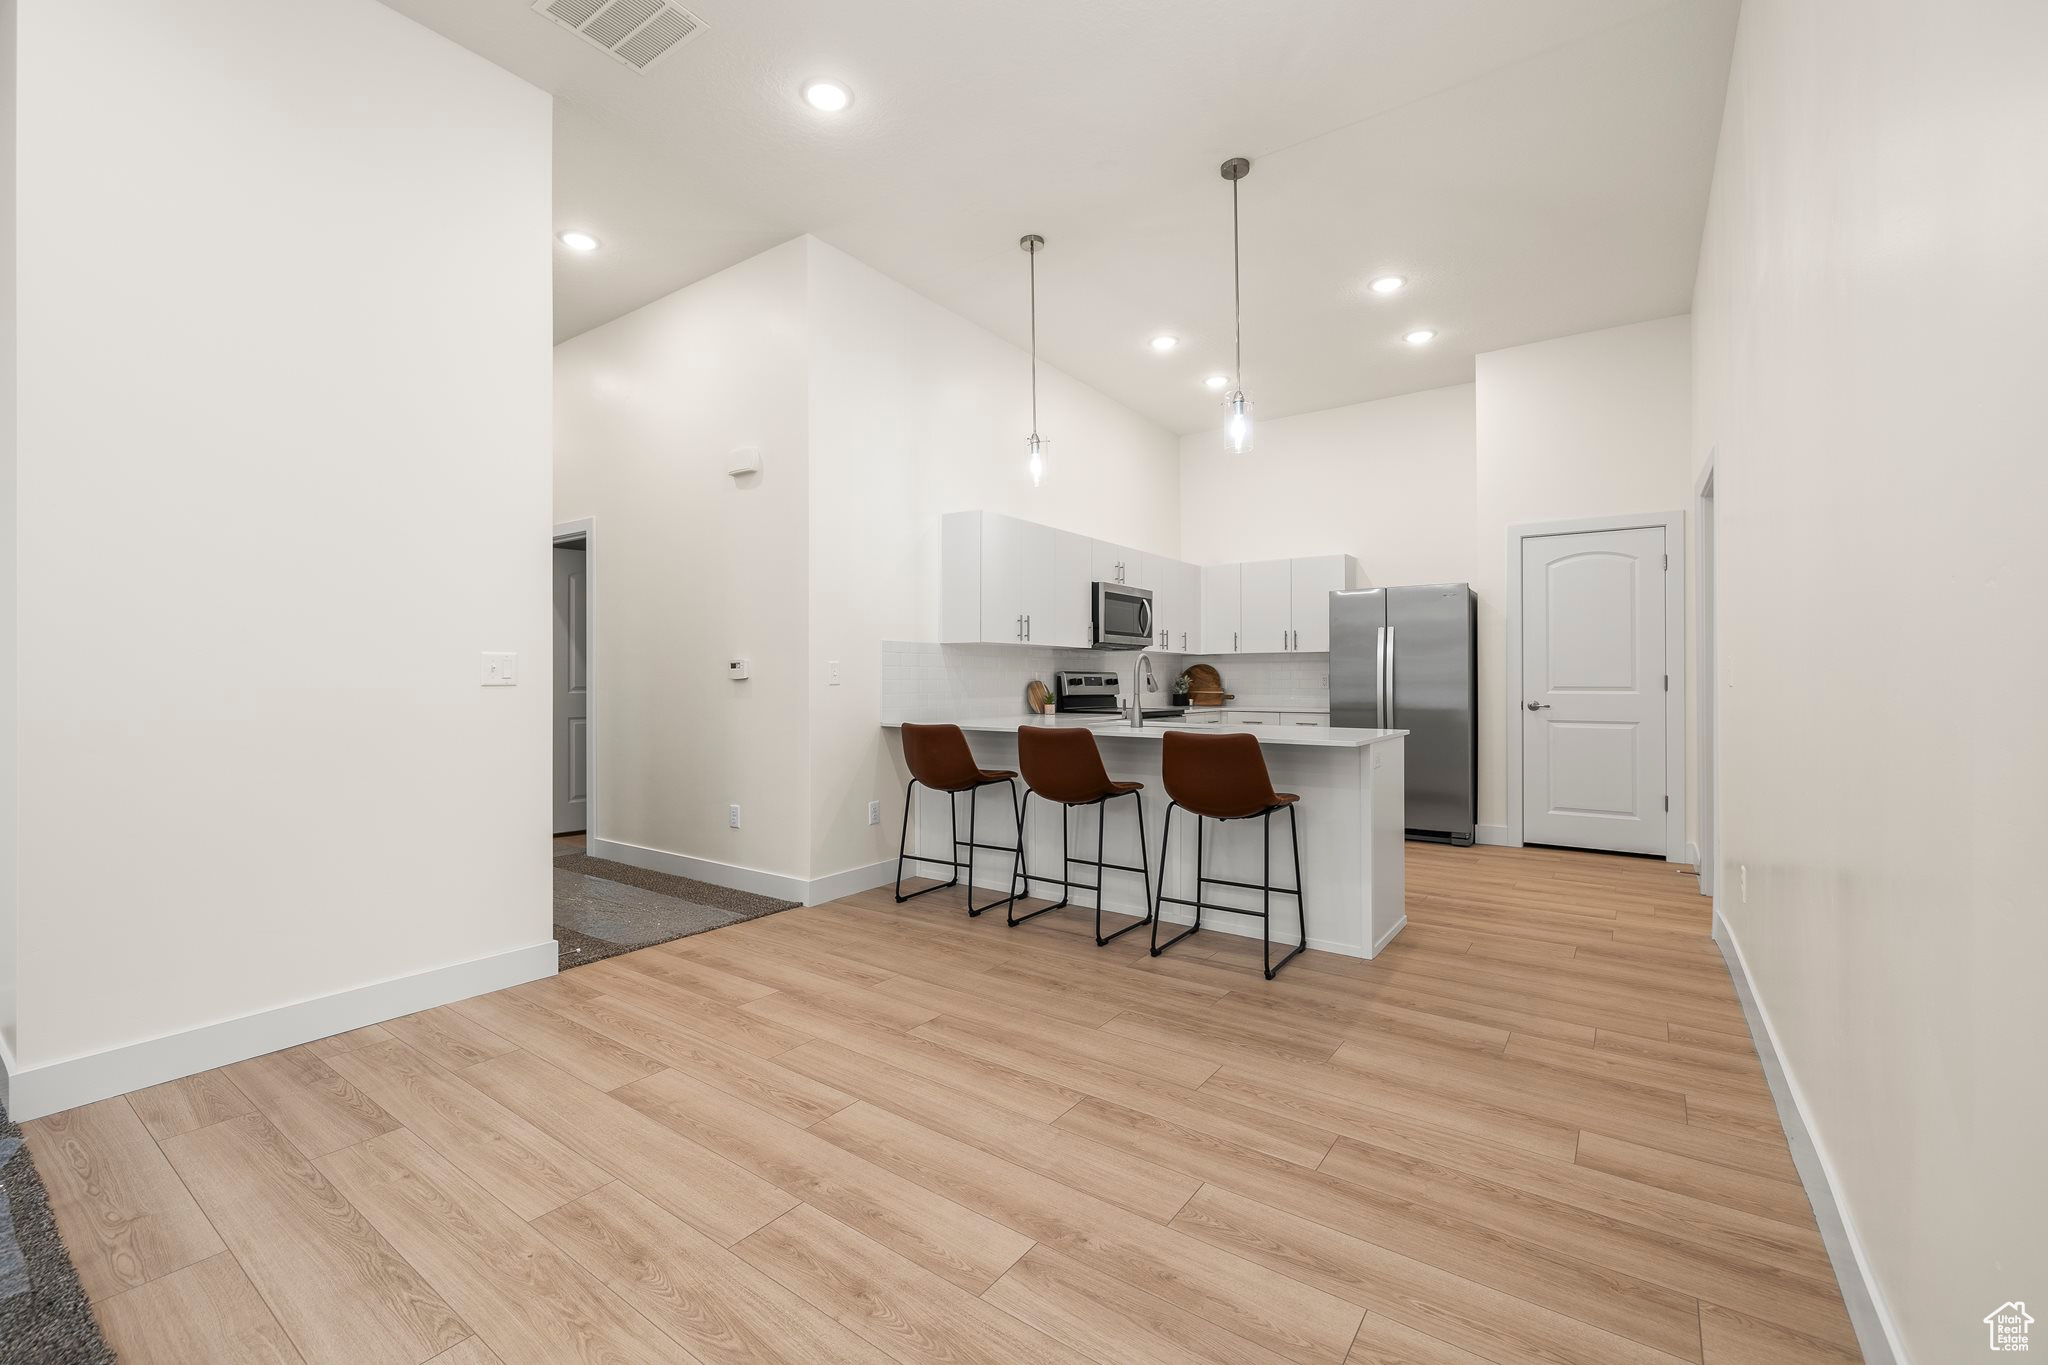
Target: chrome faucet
(1137, 712)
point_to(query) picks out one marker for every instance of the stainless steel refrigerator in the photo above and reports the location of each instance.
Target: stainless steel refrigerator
(1407, 659)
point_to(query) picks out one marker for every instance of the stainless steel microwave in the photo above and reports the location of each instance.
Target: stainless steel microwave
(1122, 617)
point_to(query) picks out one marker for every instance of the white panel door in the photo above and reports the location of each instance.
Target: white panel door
(572, 692)
(1265, 608)
(1219, 608)
(1593, 690)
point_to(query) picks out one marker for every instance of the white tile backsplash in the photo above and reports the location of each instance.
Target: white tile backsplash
(928, 682)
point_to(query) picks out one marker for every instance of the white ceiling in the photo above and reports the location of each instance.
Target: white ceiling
(1534, 167)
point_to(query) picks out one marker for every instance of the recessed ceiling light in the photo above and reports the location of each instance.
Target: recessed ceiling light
(1421, 336)
(1388, 284)
(578, 241)
(1216, 381)
(1164, 343)
(827, 97)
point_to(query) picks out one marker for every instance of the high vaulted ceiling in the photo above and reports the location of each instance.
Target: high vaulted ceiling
(1533, 167)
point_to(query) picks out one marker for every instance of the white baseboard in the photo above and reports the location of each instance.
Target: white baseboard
(55, 1086)
(777, 884)
(1388, 937)
(855, 879)
(1876, 1330)
(1496, 835)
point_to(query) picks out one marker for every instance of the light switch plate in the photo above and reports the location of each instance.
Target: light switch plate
(500, 670)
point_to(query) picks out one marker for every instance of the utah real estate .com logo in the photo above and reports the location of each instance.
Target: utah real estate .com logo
(2008, 1325)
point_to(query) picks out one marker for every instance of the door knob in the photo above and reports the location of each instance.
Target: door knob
(1539, 706)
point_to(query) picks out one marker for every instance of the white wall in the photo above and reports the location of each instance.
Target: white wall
(9, 866)
(1869, 361)
(691, 568)
(876, 411)
(916, 412)
(1593, 425)
(282, 475)
(1391, 482)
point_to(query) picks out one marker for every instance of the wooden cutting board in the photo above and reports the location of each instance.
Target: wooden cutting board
(1205, 687)
(1037, 697)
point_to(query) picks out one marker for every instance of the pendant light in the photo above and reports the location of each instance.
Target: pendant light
(1237, 409)
(1035, 446)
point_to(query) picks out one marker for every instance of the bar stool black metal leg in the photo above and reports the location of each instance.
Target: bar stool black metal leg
(1144, 870)
(903, 844)
(1265, 894)
(1066, 889)
(973, 806)
(1164, 839)
(1300, 901)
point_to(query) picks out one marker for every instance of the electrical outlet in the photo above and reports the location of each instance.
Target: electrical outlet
(833, 681)
(1742, 882)
(874, 812)
(732, 816)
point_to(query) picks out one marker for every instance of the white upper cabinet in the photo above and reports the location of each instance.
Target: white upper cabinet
(1315, 578)
(1117, 564)
(1271, 606)
(1071, 614)
(1176, 602)
(1016, 580)
(1219, 609)
(1265, 611)
(1009, 581)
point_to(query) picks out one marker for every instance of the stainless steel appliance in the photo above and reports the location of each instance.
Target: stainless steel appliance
(1407, 659)
(1121, 616)
(1092, 692)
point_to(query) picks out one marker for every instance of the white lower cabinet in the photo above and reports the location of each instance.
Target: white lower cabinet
(1294, 718)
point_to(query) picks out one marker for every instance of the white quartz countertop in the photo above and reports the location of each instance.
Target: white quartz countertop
(1304, 737)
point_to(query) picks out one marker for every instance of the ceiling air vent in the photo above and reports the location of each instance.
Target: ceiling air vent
(635, 33)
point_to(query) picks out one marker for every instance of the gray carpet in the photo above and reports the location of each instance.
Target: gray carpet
(603, 908)
(44, 1319)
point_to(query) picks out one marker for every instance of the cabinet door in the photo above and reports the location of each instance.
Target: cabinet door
(1220, 608)
(1314, 579)
(1186, 635)
(1016, 565)
(1069, 615)
(1265, 606)
(1172, 601)
(1116, 564)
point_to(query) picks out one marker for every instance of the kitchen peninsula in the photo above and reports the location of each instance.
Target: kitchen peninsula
(1352, 826)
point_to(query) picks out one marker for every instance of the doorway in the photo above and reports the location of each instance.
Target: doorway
(571, 679)
(1595, 685)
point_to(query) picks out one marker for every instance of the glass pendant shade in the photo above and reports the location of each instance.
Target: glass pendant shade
(1038, 457)
(1237, 423)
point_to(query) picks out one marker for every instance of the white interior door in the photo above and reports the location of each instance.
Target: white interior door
(1593, 689)
(572, 691)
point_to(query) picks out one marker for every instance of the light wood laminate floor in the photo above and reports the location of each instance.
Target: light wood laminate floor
(1535, 1129)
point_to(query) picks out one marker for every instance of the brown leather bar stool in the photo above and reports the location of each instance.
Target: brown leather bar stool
(939, 758)
(1065, 768)
(1223, 777)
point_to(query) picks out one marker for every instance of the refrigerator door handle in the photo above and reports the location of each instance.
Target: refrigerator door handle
(1389, 721)
(1379, 676)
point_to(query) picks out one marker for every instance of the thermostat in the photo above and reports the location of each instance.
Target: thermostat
(736, 669)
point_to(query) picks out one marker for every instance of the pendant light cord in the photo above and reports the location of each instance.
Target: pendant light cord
(1033, 254)
(1236, 294)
